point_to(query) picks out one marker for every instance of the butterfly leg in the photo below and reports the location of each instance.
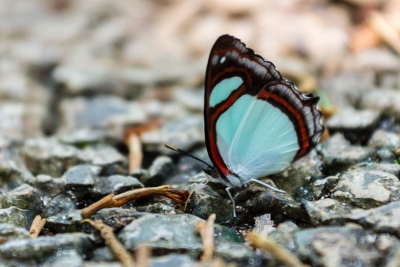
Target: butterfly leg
(266, 185)
(233, 201)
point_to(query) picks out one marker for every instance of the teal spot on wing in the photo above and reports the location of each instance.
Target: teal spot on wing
(223, 89)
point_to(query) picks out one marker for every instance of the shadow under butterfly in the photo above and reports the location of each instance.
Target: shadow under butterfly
(256, 122)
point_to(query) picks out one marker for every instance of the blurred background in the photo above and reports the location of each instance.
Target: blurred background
(91, 69)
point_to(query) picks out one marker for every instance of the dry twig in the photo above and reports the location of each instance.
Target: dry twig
(143, 254)
(132, 135)
(111, 201)
(37, 226)
(276, 250)
(111, 241)
(206, 230)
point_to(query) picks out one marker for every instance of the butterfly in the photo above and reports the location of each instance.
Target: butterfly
(256, 122)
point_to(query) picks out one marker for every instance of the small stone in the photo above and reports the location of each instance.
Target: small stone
(383, 139)
(81, 177)
(338, 156)
(47, 156)
(169, 233)
(205, 201)
(115, 184)
(324, 186)
(68, 257)
(367, 189)
(44, 246)
(159, 172)
(28, 198)
(258, 199)
(14, 216)
(10, 232)
(65, 222)
(107, 157)
(298, 177)
(385, 155)
(336, 246)
(326, 211)
(61, 204)
(383, 219)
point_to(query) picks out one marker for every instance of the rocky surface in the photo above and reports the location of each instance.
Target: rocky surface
(79, 80)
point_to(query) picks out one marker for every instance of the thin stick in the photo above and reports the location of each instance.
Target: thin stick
(111, 201)
(135, 152)
(37, 226)
(206, 230)
(143, 254)
(105, 202)
(112, 242)
(276, 250)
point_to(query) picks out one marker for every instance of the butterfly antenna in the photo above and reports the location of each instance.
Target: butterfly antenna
(187, 154)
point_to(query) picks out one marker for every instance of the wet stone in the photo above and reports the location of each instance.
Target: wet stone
(323, 187)
(81, 177)
(117, 218)
(28, 198)
(106, 157)
(384, 219)
(258, 200)
(326, 211)
(338, 156)
(65, 222)
(115, 184)
(383, 139)
(159, 172)
(171, 233)
(367, 189)
(337, 246)
(385, 155)
(59, 204)
(10, 232)
(158, 207)
(298, 177)
(47, 156)
(43, 247)
(14, 216)
(205, 201)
